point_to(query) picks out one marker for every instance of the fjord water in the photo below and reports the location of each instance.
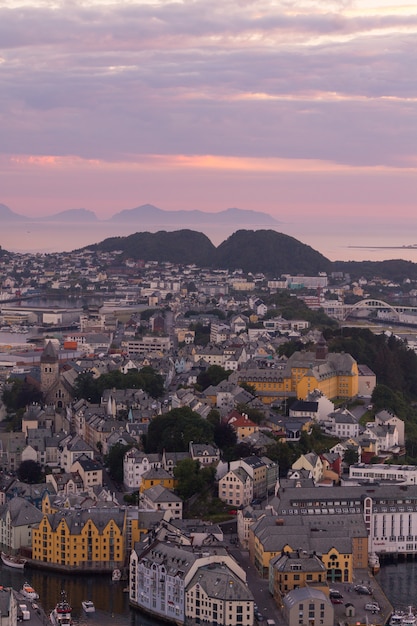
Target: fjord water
(111, 602)
(399, 582)
(352, 242)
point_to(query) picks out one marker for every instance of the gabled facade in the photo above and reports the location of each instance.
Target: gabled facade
(89, 539)
(236, 488)
(182, 585)
(16, 519)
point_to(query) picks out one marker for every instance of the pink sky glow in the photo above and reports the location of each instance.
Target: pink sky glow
(304, 109)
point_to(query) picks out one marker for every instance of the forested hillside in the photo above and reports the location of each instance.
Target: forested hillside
(395, 366)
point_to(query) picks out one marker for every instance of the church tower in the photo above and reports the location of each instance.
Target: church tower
(49, 367)
(321, 349)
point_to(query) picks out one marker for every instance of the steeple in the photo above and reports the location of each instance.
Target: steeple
(49, 362)
(321, 349)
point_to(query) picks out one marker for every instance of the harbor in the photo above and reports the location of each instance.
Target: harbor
(393, 589)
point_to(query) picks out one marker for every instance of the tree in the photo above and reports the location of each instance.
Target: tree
(283, 454)
(92, 389)
(174, 430)
(114, 461)
(189, 479)
(214, 417)
(351, 456)
(20, 394)
(213, 375)
(255, 415)
(30, 472)
(248, 387)
(192, 478)
(224, 436)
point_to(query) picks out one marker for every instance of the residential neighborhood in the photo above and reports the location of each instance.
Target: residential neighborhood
(177, 424)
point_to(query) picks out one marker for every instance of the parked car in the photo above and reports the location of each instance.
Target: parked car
(372, 606)
(336, 600)
(363, 590)
(335, 594)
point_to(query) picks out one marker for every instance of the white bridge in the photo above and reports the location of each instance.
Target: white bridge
(370, 307)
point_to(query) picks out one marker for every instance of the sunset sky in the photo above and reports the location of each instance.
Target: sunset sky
(300, 108)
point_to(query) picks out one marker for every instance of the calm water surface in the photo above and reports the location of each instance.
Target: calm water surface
(112, 606)
(399, 583)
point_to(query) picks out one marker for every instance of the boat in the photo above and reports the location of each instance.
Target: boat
(28, 592)
(10, 560)
(409, 619)
(396, 618)
(373, 561)
(61, 614)
(88, 606)
(116, 575)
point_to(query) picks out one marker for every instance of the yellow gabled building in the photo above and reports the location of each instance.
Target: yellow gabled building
(157, 476)
(271, 537)
(336, 375)
(88, 539)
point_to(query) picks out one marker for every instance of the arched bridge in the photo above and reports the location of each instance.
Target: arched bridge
(395, 313)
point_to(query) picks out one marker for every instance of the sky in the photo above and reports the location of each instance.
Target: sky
(303, 109)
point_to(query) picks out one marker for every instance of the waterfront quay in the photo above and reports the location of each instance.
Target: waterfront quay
(351, 610)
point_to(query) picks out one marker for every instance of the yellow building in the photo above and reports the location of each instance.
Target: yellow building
(336, 375)
(293, 570)
(337, 548)
(88, 539)
(157, 476)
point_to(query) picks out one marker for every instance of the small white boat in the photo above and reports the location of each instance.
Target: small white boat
(373, 562)
(409, 619)
(61, 615)
(10, 560)
(116, 575)
(88, 606)
(28, 591)
(396, 618)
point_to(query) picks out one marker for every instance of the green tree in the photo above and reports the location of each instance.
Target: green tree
(224, 436)
(255, 415)
(213, 375)
(92, 389)
(351, 456)
(114, 461)
(174, 430)
(189, 478)
(283, 454)
(248, 387)
(20, 393)
(30, 472)
(214, 417)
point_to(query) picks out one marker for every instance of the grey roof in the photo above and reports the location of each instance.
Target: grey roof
(219, 582)
(76, 519)
(22, 512)
(312, 533)
(204, 449)
(156, 473)
(302, 594)
(49, 354)
(88, 465)
(158, 493)
(77, 444)
(304, 561)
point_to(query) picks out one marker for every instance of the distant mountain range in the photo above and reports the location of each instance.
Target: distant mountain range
(149, 215)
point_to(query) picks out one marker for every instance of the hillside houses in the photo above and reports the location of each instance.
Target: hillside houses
(281, 522)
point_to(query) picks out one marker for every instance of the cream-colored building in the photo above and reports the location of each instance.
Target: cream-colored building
(236, 487)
